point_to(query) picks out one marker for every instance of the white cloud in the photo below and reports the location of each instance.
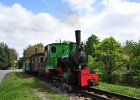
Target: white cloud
(20, 27)
(82, 4)
(118, 18)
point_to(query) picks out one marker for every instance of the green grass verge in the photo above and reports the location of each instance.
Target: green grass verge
(19, 86)
(125, 90)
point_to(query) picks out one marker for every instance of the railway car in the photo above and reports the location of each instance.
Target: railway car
(65, 61)
(37, 63)
(26, 64)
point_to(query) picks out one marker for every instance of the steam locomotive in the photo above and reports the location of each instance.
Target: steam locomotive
(64, 61)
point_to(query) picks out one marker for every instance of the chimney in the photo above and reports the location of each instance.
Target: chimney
(78, 37)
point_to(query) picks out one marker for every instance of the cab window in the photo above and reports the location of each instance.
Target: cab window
(53, 49)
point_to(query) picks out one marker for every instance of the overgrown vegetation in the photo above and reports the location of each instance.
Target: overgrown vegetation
(20, 86)
(7, 56)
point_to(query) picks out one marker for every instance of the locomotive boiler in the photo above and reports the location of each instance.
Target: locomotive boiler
(78, 57)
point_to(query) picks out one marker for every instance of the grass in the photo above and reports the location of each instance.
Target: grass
(125, 90)
(20, 86)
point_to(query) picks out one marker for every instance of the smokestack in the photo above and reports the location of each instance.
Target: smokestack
(78, 37)
(35, 50)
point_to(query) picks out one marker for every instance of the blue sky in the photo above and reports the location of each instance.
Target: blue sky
(36, 6)
(58, 8)
(55, 7)
(46, 21)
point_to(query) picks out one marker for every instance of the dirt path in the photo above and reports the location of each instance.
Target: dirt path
(41, 95)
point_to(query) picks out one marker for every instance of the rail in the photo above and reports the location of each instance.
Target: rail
(97, 94)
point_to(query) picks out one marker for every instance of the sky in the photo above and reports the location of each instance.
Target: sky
(25, 22)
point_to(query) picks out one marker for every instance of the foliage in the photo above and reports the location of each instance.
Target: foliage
(113, 62)
(108, 52)
(32, 50)
(20, 62)
(92, 40)
(3, 57)
(132, 50)
(136, 63)
(12, 56)
(7, 57)
(93, 64)
(65, 41)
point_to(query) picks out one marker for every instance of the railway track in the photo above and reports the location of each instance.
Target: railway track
(97, 94)
(94, 94)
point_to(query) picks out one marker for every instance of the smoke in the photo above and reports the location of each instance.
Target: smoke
(68, 15)
(73, 21)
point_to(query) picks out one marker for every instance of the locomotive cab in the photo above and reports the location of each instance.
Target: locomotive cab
(56, 55)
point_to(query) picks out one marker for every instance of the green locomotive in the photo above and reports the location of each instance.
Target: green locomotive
(65, 61)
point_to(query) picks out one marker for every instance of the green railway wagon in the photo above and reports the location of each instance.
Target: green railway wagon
(26, 65)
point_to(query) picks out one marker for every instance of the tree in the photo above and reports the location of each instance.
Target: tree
(20, 62)
(30, 50)
(89, 46)
(108, 51)
(93, 64)
(12, 56)
(132, 50)
(7, 57)
(66, 41)
(3, 57)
